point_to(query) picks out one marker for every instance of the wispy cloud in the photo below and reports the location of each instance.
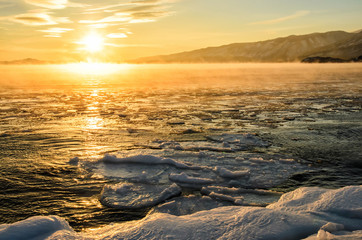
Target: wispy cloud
(55, 4)
(117, 35)
(55, 32)
(38, 19)
(52, 4)
(107, 15)
(6, 4)
(282, 19)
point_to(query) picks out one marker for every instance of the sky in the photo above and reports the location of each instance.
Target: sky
(117, 30)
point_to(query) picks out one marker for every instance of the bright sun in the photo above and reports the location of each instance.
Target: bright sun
(93, 43)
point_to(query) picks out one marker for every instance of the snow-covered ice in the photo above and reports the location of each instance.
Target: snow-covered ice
(306, 213)
(35, 228)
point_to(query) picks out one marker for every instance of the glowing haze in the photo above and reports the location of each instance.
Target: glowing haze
(116, 30)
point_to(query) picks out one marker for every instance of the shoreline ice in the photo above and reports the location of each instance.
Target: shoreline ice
(306, 213)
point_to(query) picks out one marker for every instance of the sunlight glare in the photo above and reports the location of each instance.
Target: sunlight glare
(93, 43)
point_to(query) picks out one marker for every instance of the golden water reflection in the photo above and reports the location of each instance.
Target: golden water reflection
(94, 123)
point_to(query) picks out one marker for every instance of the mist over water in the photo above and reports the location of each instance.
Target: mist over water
(52, 113)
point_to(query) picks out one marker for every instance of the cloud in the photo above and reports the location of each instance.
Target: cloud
(55, 4)
(6, 4)
(52, 4)
(282, 19)
(38, 19)
(117, 35)
(141, 13)
(118, 17)
(55, 32)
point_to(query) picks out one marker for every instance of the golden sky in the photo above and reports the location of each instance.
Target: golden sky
(116, 30)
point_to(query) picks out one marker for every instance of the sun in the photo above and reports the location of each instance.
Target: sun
(93, 43)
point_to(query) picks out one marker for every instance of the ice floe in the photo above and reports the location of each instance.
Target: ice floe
(306, 213)
(136, 196)
(164, 166)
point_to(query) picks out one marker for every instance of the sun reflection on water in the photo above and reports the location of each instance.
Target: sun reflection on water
(94, 123)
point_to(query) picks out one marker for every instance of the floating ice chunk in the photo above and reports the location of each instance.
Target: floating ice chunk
(325, 233)
(240, 196)
(189, 181)
(38, 227)
(240, 140)
(225, 173)
(187, 205)
(228, 198)
(148, 159)
(74, 161)
(136, 196)
(171, 145)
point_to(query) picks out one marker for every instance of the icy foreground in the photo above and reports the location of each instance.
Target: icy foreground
(311, 213)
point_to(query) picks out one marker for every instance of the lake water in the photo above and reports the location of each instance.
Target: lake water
(247, 126)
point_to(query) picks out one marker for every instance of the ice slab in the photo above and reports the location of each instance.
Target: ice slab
(147, 159)
(190, 181)
(136, 196)
(152, 166)
(241, 196)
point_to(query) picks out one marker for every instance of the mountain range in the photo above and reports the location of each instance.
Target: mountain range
(334, 44)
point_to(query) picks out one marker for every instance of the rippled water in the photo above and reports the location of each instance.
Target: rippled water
(50, 114)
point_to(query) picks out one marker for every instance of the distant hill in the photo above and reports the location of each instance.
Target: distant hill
(335, 44)
(25, 61)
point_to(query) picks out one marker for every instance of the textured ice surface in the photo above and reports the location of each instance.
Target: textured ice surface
(136, 196)
(311, 213)
(163, 166)
(188, 205)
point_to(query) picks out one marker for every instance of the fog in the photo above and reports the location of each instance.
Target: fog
(249, 76)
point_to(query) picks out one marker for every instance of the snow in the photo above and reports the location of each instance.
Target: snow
(33, 228)
(319, 199)
(136, 196)
(306, 213)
